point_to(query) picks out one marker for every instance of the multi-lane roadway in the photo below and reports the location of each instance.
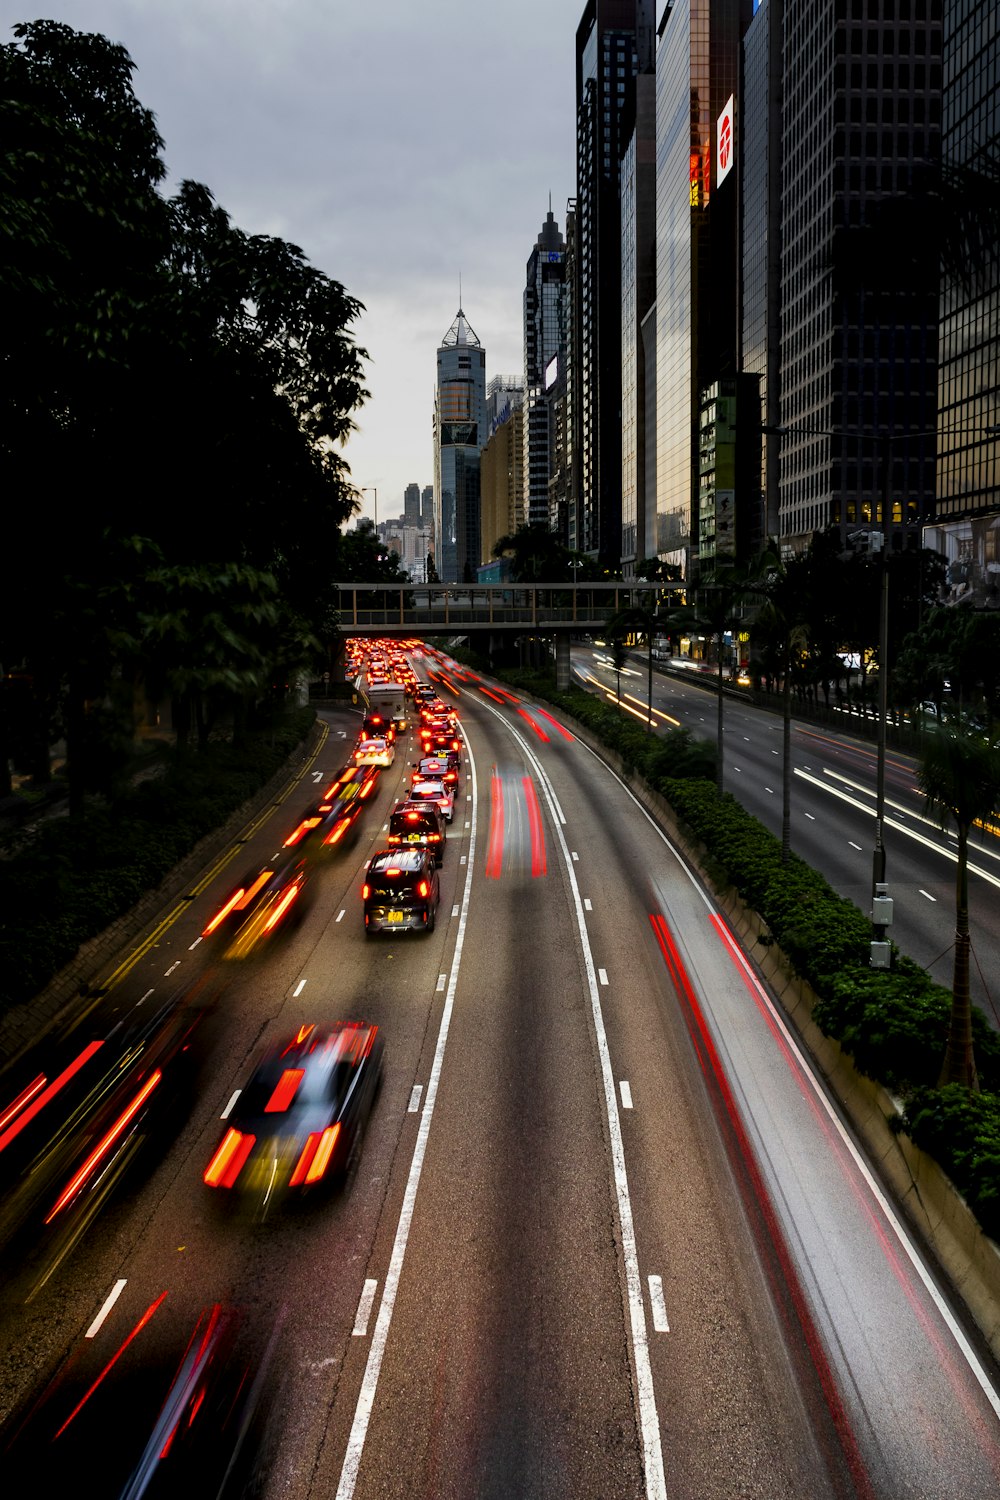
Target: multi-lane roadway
(606, 1237)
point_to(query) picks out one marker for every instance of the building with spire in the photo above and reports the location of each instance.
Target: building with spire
(459, 434)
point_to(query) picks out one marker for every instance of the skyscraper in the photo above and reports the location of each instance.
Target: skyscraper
(968, 505)
(613, 43)
(862, 113)
(459, 433)
(411, 505)
(544, 347)
(697, 260)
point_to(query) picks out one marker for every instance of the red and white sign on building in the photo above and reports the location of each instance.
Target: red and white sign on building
(725, 142)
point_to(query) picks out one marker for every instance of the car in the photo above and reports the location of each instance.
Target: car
(437, 792)
(297, 1123)
(401, 891)
(418, 823)
(170, 1403)
(438, 737)
(375, 752)
(375, 725)
(264, 901)
(438, 768)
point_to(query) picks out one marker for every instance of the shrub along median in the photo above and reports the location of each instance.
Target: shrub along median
(66, 879)
(893, 1023)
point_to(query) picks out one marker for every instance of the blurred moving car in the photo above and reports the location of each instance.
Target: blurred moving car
(298, 1121)
(325, 823)
(162, 1407)
(401, 891)
(375, 752)
(418, 823)
(264, 901)
(81, 1117)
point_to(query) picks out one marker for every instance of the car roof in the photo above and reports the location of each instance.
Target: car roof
(403, 859)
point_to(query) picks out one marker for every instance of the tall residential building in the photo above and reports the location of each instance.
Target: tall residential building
(861, 115)
(564, 464)
(638, 239)
(544, 349)
(613, 43)
(697, 256)
(968, 505)
(502, 473)
(459, 433)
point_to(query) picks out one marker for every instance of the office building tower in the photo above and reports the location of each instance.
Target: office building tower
(459, 432)
(411, 505)
(697, 256)
(502, 472)
(760, 167)
(968, 473)
(427, 507)
(638, 242)
(544, 347)
(861, 117)
(613, 42)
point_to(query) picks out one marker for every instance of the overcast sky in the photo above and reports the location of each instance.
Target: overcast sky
(400, 143)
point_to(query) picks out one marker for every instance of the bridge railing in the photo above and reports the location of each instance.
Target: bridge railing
(419, 608)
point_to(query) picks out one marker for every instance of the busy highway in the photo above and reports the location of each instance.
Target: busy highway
(576, 1219)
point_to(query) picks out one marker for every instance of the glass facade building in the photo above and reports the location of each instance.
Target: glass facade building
(638, 175)
(606, 64)
(544, 349)
(459, 434)
(697, 251)
(969, 352)
(862, 99)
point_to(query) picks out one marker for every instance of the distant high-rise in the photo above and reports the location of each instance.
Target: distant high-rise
(613, 44)
(544, 348)
(501, 476)
(427, 507)
(411, 505)
(459, 434)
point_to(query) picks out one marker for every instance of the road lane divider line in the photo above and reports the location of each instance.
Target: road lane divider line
(106, 1307)
(658, 1305)
(376, 1353)
(365, 1302)
(626, 1093)
(415, 1096)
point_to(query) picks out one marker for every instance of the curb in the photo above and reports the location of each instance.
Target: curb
(933, 1207)
(23, 1025)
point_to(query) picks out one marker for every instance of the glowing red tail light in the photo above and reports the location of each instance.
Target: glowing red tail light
(365, 892)
(423, 889)
(228, 1162)
(282, 907)
(315, 1157)
(220, 916)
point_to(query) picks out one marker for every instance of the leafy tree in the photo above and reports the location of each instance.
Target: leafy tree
(536, 555)
(124, 311)
(959, 775)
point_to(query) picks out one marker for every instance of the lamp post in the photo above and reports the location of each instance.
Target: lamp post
(370, 489)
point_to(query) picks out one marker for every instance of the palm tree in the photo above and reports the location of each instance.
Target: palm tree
(959, 775)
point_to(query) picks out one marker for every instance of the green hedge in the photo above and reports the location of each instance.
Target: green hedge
(893, 1023)
(70, 878)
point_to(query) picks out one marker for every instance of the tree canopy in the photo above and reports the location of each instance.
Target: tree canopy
(173, 393)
